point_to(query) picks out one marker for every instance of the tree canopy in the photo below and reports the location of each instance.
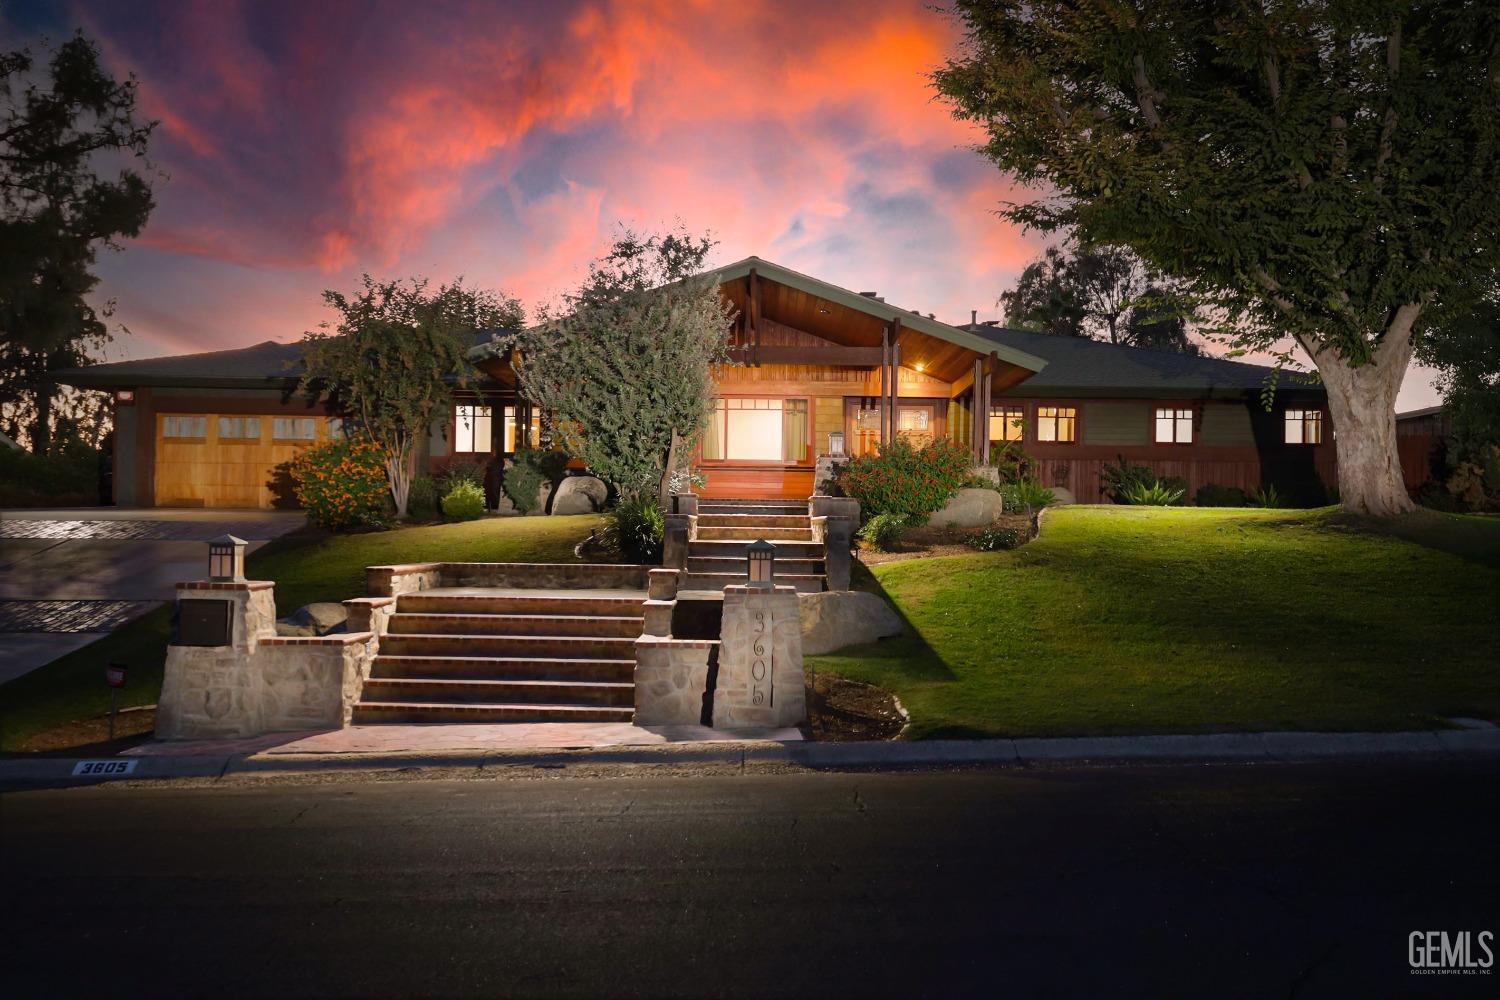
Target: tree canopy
(1319, 169)
(61, 133)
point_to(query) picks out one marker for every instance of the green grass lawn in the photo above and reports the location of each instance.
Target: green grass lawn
(1132, 619)
(307, 567)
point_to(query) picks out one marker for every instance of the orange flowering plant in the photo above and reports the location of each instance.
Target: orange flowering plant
(342, 484)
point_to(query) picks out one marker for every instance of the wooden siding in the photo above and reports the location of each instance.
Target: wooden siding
(828, 418)
(1226, 425)
(1118, 423)
(774, 482)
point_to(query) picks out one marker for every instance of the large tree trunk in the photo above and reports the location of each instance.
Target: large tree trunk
(41, 427)
(1362, 402)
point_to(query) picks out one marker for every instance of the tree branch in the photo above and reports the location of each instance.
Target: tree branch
(1388, 128)
(1146, 95)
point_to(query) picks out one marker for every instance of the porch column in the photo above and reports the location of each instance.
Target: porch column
(885, 364)
(984, 420)
(895, 383)
(976, 399)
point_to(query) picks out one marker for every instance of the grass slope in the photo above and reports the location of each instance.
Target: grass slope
(307, 567)
(1131, 619)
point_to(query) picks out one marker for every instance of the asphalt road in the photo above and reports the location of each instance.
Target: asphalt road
(1232, 880)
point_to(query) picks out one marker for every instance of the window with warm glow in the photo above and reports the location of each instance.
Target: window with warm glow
(1007, 423)
(1057, 423)
(239, 428)
(757, 430)
(184, 427)
(509, 431)
(1304, 427)
(1174, 425)
(471, 428)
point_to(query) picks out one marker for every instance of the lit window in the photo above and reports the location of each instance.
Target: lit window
(184, 427)
(1174, 425)
(913, 420)
(757, 430)
(294, 428)
(1304, 427)
(1007, 423)
(1056, 423)
(471, 428)
(239, 428)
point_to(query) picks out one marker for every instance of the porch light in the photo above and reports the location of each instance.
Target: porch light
(759, 557)
(226, 559)
(836, 442)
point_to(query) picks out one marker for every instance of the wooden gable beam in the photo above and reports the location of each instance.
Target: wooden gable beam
(753, 345)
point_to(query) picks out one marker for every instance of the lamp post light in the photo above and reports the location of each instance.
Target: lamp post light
(836, 442)
(114, 676)
(760, 558)
(226, 559)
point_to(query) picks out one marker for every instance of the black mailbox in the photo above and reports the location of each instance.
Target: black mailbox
(202, 622)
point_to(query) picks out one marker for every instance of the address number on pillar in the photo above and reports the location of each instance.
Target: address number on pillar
(762, 689)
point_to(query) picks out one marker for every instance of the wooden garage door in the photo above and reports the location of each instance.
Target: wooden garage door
(229, 459)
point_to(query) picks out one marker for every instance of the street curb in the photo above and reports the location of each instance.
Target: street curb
(1218, 747)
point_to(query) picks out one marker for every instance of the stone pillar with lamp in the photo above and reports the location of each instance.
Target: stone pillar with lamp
(760, 681)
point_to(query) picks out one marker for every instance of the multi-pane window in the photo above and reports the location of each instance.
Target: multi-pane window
(531, 439)
(294, 428)
(239, 428)
(747, 429)
(471, 428)
(1007, 423)
(184, 427)
(1057, 423)
(1174, 425)
(1304, 427)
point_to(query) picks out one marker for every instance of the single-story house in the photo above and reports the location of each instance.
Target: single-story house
(816, 369)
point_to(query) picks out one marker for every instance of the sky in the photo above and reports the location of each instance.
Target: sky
(303, 143)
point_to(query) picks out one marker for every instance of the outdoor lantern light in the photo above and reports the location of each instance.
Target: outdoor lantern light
(836, 443)
(760, 555)
(226, 559)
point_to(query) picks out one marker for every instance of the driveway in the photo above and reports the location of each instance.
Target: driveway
(69, 576)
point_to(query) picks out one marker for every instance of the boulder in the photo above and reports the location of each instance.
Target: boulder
(839, 618)
(1064, 495)
(972, 507)
(579, 495)
(320, 618)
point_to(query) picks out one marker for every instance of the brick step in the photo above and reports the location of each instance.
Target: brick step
(769, 507)
(738, 549)
(787, 567)
(509, 646)
(535, 668)
(753, 521)
(718, 581)
(442, 623)
(498, 692)
(519, 604)
(751, 534)
(379, 712)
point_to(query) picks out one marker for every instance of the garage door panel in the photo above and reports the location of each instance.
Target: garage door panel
(233, 472)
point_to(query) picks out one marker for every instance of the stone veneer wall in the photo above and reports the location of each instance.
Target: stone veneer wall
(760, 680)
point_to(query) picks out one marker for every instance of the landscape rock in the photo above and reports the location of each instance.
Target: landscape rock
(835, 619)
(1063, 495)
(319, 618)
(973, 507)
(579, 495)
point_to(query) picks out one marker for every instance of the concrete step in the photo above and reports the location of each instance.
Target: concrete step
(509, 646)
(758, 507)
(523, 603)
(753, 521)
(374, 712)
(751, 534)
(784, 567)
(424, 623)
(738, 549)
(500, 668)
(498, 692)
(718, 581)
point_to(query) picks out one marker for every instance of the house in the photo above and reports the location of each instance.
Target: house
(816, 369)
(1422, 438)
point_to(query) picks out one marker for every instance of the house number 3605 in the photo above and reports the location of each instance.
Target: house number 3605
(761, 689)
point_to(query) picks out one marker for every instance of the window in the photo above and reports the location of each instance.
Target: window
(471, 428)
(1304, 427)
(1174, 425)
(184, 427)
(1057, 423)
(531, 440)
(239, 428)
(294, 428)
(757, 430)
(1007, 423)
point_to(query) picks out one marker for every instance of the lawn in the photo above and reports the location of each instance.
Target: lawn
(1132, 619)
(307, 566)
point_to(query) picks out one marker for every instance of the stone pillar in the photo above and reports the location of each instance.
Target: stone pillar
(760, 681)
(214, 692)
(674, 542)
(838, 556)
(684, 503)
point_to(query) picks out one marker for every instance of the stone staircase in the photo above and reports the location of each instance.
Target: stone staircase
(488, 654)
(725, 529)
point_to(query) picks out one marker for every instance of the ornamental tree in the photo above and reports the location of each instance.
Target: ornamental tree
(625, 362)
(1323, 170)
(390, 361)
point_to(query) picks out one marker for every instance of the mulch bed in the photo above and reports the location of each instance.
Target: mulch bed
(843, 711)
(90, 737)
(928, 541)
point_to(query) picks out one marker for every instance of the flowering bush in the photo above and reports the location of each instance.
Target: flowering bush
(342, 484)
(912, 482)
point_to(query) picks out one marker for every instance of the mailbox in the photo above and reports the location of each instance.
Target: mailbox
(204, 622)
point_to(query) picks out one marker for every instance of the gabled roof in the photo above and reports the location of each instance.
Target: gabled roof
(1082, 367)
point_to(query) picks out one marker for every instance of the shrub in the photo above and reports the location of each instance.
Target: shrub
(883, 531)
(1177, 483)
(68, 477)
(342, 484)
(464, 502)
(462, 470)
(1155, 495)
(531, 468)
(1116, 480)
(633, 530)
(1267, 496)
(1011, 461)
(422, 499)
(901, 479)
(1026, 495)
(994, 538)
(1211, 495)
